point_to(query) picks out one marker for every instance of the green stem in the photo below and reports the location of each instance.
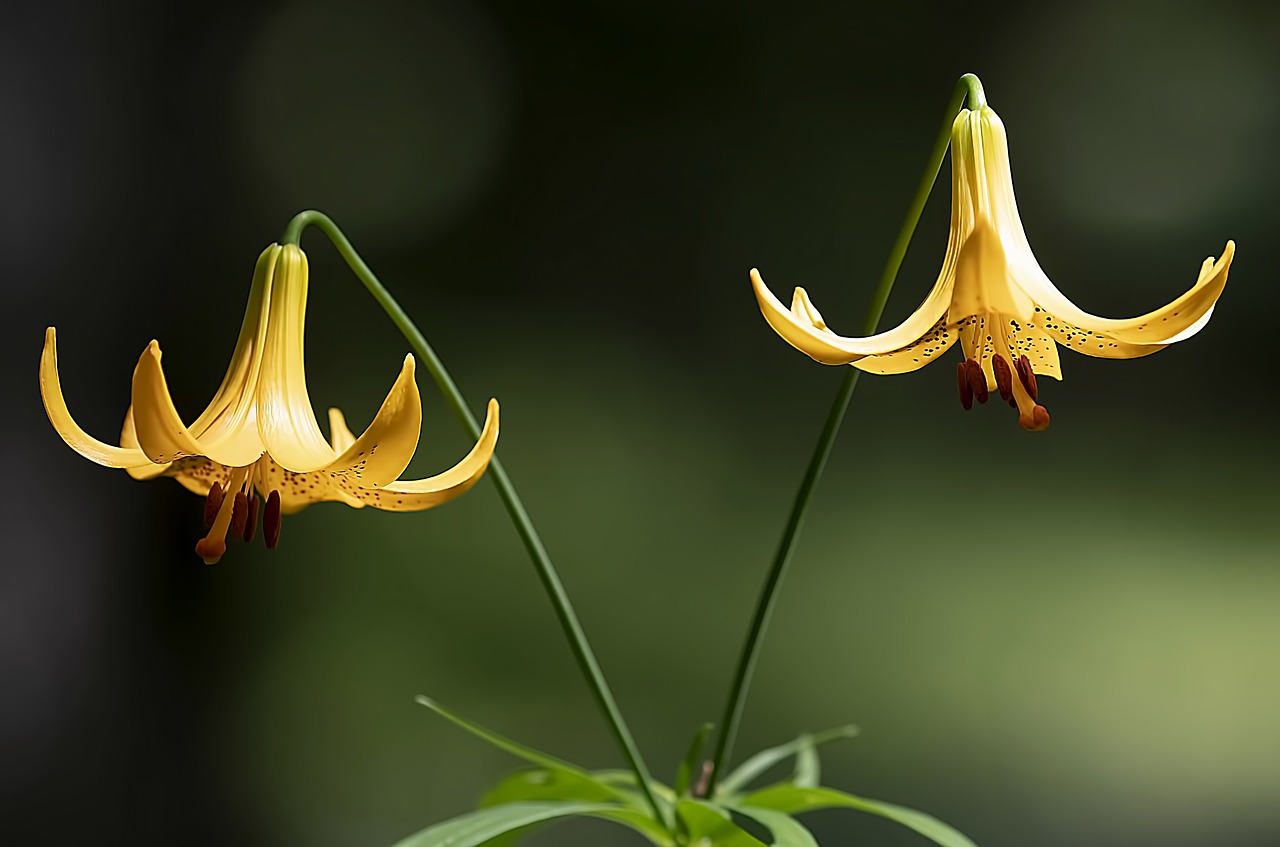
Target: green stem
(968, 85)
(524, 526)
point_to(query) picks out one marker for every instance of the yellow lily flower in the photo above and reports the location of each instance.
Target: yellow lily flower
(259, 433)
(993, 298)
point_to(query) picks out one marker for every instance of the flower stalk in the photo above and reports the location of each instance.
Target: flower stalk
(968, 88)
(560, 602)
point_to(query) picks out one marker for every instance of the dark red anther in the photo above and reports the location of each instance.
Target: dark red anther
(966, 393)
(977, 380)
(251, 525)
(1027, 376)
(212, 504)
(239, 514)
(1004, 376)
(271, 520)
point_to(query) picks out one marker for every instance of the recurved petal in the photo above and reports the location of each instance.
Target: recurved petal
(383, 451)
(803, 328)
(340, 435)
(161, 433)
(129, 439)
(298, 490)
(55, 405)
(1179, 320)
(915, 355)
(418, 494)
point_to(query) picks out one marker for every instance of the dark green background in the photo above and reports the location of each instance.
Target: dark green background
(1051, 640)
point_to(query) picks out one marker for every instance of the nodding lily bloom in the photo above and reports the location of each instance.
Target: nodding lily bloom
(259, 434)
(993, 298)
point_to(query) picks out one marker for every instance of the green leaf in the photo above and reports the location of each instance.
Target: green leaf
(765, 759)
(685, 774)
(515, 748)
(536, 784)
(793, 799)
(710, 826)
(786, 830)
(475, 828)
(543, 784)
(808, 773)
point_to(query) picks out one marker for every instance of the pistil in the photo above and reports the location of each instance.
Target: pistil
(213, 546)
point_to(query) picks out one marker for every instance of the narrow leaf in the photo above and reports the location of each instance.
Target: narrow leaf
(711, 826)
(691, 760)
(793, 799)
(786, 830)
(515, 748)
(765, 759)
(475, 828)
(538, 784)
(808, 773)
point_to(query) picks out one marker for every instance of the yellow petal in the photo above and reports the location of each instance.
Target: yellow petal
(803, 328)
(1177, 321)
(414, 495)
(1037, 346)
(129, 438)
(383, 451)
(198, 474)
(298, 490)
(161, 433)
(340, 436)
(915, 355)
(286, 420)
(55, 406)
(226, 419)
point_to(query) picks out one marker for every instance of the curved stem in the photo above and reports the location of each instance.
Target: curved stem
(967, 84)
(515, 508)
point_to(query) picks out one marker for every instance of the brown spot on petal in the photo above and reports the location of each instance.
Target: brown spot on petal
(962, 380)
(271, 520)
(1004, 376)
(212, 503)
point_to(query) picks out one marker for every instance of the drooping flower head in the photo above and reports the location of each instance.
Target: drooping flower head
(259, 434)
(993, 297)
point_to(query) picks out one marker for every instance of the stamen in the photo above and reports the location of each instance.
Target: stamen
(251, 526)
(977, 380)
(1036, 421)
(1004, 377)
(1027, 376)
(962, 379)
(239, 514)
(212, 503)
(213, 546)
(271, 520)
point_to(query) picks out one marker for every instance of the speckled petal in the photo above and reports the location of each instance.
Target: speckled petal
(803, 328)
(383, 451)
(55, 406)
(298, 490)
(286, 420)
(1175, 322)
(915, 355)
(414, 495)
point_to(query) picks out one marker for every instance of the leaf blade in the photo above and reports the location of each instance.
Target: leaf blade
(765, 759)
(792, 800)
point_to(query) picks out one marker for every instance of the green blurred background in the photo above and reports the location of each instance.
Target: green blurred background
(1057, 639)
